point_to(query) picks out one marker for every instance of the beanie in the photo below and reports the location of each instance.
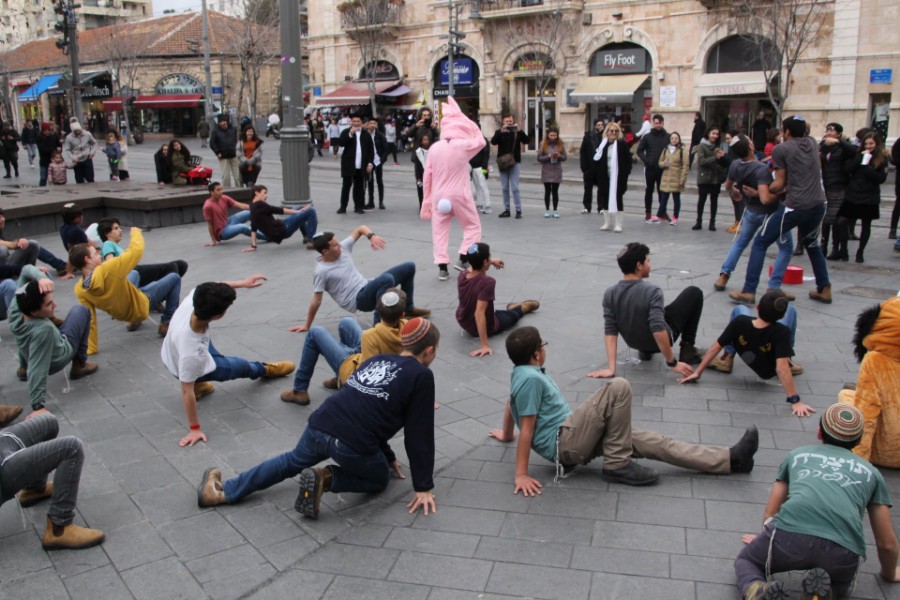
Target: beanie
(46, 126)
(414, 330)
(843, 422)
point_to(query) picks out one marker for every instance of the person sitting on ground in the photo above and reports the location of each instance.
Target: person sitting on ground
(354, 346)
(388, 392)
(105, 285)
(476, 314)
(110, 232)
(70, 231)
(29, 451)
(215, 211)
(765, 343)
(262, 219)
(877, 393)
(336, 274)
(9, 275)
(599, 427)
(188, 352)
(636, 309)
(20, 251)
(813, 519)
(46, 344)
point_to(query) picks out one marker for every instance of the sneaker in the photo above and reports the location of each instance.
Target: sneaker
(443, 275)
(722, 364)
(743, 297)
(654, 220)
(460, 266)
(163, 329)
(816, 585)
(721, 282)
(22, 374)
(488, 210)
(741, 454)
(134, 326)
(645, 356)
(331, 384)
(787, 295)
(203, 388)
(555, 214)
(505, 214)
(585, 211)
(761, 590)
(633, 474)
(72, 537)
(823, 296)
(381, 206)
(547, 214)
(31, 497)
(83, 369)
(313, 483)
(279, 369)
(518, 214)
(690, 354)
(296, 397)
(674, 221)
(795, 368)
(417, 312)
(210, 492)
(8, 414)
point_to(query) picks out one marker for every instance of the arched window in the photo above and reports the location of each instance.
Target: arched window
(742, 53)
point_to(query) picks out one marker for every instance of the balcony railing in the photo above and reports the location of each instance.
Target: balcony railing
(494, 9)
(380, 14)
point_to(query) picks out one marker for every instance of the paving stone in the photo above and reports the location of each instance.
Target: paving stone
(45, 585)
(462, 520)
(226, 563)
(69, 564)
(441, 571)
(161, 580)
(433, 542)
(661, 511)
(482, 494)
(542, 582)
(716, 544)
(263, 525)
(568, 502)
(699, 568)
(637, 536)
(170, 503)
(201, 535)
(104, 582)
(294, 584)
(21, 555)
(618, 560)
(145, 474)
(354, 587)
(630, 587)
(134, 544)
(239, 584)
(344, 559)
(548, 554)
(547, 528)
(289, 552)
(734, 516)
(109, 511)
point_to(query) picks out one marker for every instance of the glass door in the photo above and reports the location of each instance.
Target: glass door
(536, 119)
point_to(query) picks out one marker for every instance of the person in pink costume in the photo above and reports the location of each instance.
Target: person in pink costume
(446, 188)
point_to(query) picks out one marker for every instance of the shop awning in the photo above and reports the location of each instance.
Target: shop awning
(400, 90)
(43, 84)
(161, 101)
(356, 92)
(609, 88)
(731, 84)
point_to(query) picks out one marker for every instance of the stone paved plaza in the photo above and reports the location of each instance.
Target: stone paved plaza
(581, 539)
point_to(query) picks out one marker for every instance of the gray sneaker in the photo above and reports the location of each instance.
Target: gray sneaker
(443, 275)
(633, 474)
(487, 210)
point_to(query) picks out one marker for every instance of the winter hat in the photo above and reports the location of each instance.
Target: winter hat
(46, 126)
(843, 422)
(74, 125)
(414, 330)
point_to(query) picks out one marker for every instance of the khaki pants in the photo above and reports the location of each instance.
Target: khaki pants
(230, 171)
(602, 427)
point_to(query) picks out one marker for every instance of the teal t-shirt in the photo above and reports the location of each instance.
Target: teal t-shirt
(110, 248)
(829, 489)
(534, 393)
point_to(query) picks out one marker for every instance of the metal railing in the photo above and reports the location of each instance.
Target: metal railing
(360, 19)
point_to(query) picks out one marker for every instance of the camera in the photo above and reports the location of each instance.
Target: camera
(428, 123)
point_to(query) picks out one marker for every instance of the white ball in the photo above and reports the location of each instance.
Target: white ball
(444, 206)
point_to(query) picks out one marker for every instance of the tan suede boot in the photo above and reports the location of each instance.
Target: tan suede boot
(31, 497)
(72, 537)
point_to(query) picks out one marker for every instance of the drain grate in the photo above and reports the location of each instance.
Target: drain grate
(869, 292)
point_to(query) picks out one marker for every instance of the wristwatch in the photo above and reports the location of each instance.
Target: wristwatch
(370, 235)
(673, 363)
(793, 399)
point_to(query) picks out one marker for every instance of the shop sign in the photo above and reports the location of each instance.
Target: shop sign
(462, 71)
(881, 75)
(381, 69)
(530, 64)
(178, 83)
(618, 62)
(465, 91)
(100, 90)
(729, 90)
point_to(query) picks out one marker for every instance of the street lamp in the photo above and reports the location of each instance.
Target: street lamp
(294, 133)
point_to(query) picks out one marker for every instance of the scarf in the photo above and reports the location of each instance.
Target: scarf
(613, 169)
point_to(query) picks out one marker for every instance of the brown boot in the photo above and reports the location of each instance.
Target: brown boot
(331, 384)
(313, 483)
(528, 306)
(418, 312)
(31, 497)
(734, 228)
(22, 374)
(796, 369)
(210, 491)
(8, 414)
(743, 297)
(163, 329)
(787, 295)
(133, 326)
(278, 369)
(721, 282)
(72, 537)
(722, 364)
(823, 296)
(82, 369)
(203, 388)
(296, 397)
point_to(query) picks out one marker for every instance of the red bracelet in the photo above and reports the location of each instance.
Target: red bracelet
(195, 427)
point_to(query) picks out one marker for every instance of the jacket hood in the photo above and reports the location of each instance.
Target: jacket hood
(454, 122)
(885, 334)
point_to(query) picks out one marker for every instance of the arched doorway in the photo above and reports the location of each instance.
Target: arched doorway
(466, 76)
(538, 72)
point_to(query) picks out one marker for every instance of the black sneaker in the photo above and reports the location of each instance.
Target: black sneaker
(505, 214)
(645, 356)
(518, 214)
(761, 590)
(633, 474)
(690, 354)
(817, 585)
(741, 454)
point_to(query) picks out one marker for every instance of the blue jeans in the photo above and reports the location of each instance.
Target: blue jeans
(307, 222)
(664, 201)
(354, 472)
(7, 296)
(750, 224)
(403, 275)
(167, 289)
(75, 328)
(236, 225)
(230, 367)
(789, 320)
(47, 257)
(510, 179)
(808, 222)
(42, 182)
(319, 341)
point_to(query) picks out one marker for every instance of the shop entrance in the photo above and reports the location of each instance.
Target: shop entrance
(880, 114)
(536, 121)
(181, 122)
(737, 114)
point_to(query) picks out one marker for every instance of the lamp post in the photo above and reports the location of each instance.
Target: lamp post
(207, 105)
(294, 133)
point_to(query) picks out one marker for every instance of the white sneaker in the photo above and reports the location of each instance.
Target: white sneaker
(555, 214)
(547, 215)
(487, 210)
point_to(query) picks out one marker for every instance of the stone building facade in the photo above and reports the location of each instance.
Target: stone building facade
(22, 21)
(569, 61)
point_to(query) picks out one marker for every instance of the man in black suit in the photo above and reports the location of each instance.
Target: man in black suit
(381, 150)
(590, 143)
(357, 161)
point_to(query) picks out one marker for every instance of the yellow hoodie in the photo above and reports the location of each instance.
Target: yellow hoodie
(376, 340)
(110, 291)
(877, 394)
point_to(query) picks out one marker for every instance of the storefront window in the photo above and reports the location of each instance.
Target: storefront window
(739, 54)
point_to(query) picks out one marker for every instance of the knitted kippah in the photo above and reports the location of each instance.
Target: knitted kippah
(843, 422)
(414, 330)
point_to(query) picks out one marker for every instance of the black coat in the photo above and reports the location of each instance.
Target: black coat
(381, 148)
(509, 142)
(697, 132)
(624, 169)
(482, 160)
(348, 157)
(47, 144)
(834, 160)
(163, 168)
(651, 147)
(865, 182)
(224, 141)
(589, 145)
(30, 135)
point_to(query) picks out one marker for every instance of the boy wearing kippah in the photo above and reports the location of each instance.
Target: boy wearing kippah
(813, 519)
(387, 393)
(765, 343)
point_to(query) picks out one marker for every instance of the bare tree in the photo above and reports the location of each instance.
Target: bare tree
(367, 22)
(122, 50)
(778, 33)
(255, 40)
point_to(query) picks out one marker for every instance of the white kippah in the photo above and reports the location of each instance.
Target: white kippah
(390, 299)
